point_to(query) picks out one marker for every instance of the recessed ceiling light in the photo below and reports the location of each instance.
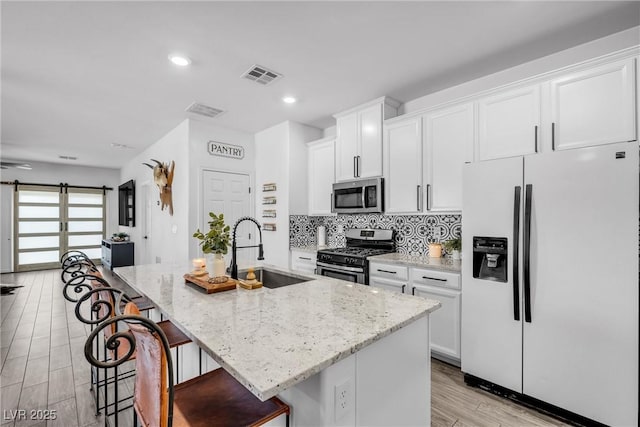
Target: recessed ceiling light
(119, 146)
(289, 100)
(179, 60)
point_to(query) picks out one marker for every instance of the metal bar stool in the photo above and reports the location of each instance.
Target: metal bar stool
(106, 302)
(212, 399)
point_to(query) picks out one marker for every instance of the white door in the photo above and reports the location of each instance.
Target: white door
(445, 321)
(449, 144)
(346, 147)
(228, 193)
(594, 107)
(321, 164)
(370, 161)
(581, 346)
(491, 333)
(146, 243)
(402, 148)
(6, 219)
(508, 123)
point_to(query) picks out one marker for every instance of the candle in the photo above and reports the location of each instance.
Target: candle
(198, 264)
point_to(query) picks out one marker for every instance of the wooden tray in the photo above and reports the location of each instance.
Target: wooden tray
(202, 282)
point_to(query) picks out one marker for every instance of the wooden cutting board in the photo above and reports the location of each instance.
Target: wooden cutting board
(203, 283)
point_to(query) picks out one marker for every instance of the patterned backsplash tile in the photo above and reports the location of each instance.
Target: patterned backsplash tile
(413, 232)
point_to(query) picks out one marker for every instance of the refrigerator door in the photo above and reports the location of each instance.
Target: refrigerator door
(491, 342)
(580, 350)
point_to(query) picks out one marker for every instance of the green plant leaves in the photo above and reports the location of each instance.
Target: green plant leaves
(217, 239)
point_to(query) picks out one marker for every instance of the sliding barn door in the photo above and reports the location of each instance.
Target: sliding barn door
(48, 221)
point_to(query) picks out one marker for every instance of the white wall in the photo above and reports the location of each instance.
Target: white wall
(272, 158)
(168, 239)
(54, 173)
(200, 133)
(596, 48)
(281, 157)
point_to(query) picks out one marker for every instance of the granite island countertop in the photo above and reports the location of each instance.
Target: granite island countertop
(441, 264)
(272, 339)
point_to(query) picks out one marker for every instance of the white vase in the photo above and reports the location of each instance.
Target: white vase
(215, 265)
(455, 254)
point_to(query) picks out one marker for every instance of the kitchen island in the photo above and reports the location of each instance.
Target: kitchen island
(338, 353)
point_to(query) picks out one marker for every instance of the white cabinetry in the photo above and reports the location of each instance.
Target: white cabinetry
(433, 284)
(402, 149)
(359, 139)
(508, 123)
(593, 107)
(304, 261)
(321, 164)
(449, 144)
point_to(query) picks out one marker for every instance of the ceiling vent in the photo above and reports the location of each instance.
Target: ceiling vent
(68, 157)
(204, 110)
(262, 75)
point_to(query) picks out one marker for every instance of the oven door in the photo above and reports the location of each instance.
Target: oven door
(350, 274)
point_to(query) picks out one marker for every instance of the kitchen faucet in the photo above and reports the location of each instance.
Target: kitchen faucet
(233, 268)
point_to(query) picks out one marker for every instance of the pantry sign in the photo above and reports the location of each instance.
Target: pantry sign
(225, 150)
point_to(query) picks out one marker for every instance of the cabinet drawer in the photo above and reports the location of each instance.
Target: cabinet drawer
(303, 261)
(423, 276)
(390, 285)
(390, 271)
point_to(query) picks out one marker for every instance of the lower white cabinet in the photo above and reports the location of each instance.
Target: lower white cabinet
(303, 261)
(445, 321)
(433, 284)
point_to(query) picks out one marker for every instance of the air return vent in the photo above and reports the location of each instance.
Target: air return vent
(262, 75)
(204, 110)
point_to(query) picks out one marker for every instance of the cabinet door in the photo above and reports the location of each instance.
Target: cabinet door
(346, 147)
(509, 123)
(303, 261)
(445, 321)
(321, 163)
(594, 107)
(449, 143)
(370, 160)
(402, 148)
(390, 285)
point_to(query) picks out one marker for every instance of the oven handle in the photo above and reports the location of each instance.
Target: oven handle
(339, 267)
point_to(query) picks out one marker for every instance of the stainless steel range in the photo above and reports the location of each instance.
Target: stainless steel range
(350, 263)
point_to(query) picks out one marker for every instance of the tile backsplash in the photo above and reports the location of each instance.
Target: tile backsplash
(413, 232)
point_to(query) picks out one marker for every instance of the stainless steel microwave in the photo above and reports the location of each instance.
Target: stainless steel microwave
(361, 196)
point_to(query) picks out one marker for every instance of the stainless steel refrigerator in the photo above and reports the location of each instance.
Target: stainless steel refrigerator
(550, 279)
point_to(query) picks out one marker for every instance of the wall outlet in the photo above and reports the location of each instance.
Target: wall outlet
(340, 228)
(343, 399)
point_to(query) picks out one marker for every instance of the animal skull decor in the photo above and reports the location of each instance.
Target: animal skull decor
(163, 178)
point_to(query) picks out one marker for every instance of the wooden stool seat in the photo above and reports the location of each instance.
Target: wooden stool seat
(217, 399)
(174, 335)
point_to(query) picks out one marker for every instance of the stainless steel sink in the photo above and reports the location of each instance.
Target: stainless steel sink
(274, 279)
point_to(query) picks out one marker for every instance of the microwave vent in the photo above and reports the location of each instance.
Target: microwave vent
(261, 75)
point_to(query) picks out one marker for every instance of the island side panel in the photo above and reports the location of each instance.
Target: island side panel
(393, 379)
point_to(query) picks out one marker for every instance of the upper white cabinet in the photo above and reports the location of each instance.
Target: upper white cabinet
(449, 135)
(402, 149)
(321, 161)
(593, 107)
(508, 123)
(359, 139)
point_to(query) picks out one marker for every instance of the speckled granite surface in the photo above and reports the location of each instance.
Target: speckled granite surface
(271, 339)
(442, 264)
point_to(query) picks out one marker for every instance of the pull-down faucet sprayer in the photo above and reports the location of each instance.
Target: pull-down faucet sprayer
(233, 268)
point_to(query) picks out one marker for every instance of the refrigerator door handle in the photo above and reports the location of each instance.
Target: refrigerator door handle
(527, 253)
(516, 244)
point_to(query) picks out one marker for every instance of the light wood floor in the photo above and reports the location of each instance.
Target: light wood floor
(43, 367)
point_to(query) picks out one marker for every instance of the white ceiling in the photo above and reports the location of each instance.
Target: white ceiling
(78, 76)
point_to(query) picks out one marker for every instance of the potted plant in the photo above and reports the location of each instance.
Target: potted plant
(120, 237)
(453, 247)
(215, 243)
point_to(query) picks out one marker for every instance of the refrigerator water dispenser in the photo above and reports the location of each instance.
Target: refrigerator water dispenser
(490, 258)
